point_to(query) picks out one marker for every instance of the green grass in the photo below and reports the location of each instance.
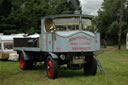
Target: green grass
(115, 63)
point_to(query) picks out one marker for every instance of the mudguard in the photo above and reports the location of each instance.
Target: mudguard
(53, 55)
(26, 55)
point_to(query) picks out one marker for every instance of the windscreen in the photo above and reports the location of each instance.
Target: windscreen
(74, 23)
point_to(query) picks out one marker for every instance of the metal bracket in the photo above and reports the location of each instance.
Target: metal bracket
(26, 56)
(54, 56)
(100, 66)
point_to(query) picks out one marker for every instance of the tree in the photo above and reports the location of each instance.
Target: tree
(25, 15)
(108, 20)
(5, 9)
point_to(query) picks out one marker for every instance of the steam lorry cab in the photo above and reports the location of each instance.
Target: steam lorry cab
(63, 40)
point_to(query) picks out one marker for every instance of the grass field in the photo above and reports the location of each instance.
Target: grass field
(115, 63)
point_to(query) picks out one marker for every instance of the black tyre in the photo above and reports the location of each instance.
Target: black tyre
(25, 64)
(90, 68)
(52, 67)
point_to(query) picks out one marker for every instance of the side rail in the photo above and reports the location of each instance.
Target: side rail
(26, 42)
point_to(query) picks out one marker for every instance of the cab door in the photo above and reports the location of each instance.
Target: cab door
(50, 42)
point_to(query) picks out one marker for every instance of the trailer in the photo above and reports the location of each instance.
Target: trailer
(63, 40)
(6, 47)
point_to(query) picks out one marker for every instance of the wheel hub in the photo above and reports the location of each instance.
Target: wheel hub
(48, 67)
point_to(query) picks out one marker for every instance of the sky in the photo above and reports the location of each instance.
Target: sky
(90, 6)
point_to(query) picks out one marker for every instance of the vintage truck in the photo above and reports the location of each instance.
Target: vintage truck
(63, 40)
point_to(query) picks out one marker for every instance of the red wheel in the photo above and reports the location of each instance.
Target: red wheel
(49, 68)
(25, 64)
(52, 67)
(21, 62)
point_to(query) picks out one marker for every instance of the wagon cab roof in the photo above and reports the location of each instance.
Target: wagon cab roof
(68, 15)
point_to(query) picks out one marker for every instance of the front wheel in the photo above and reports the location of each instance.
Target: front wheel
(90, 68)
(25, 64)
(52, 67)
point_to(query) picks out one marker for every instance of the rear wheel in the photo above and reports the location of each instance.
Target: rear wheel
(90, 68)
(52, 67)
(25, 64)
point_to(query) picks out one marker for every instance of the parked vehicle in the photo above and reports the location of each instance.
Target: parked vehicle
(63, 40)
(6, 47)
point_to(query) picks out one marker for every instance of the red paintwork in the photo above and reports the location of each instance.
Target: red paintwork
(44, 40)
(79, 37)
(21, 61)
(57, 49)
(80, 43)
(81, 48)
(96, 41)
(49, 42)
(49, 68)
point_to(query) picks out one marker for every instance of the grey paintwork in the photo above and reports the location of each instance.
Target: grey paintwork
(53, 55)
(72, 43)
(26, 56)
(59, 41)
(67, 41)
(36, 49)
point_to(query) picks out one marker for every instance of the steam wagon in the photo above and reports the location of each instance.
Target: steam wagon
(63, 40)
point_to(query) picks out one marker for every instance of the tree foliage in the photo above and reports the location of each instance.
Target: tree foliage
(108, 20)
(18, 16)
